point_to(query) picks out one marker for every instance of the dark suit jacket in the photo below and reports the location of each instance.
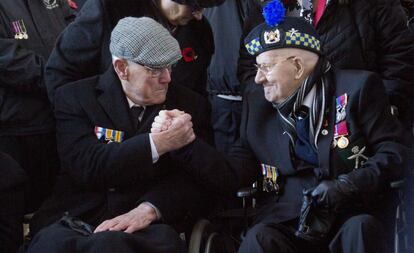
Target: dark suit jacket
(262, 141)
(100, 180)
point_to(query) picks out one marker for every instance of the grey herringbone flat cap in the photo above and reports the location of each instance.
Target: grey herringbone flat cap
(144, 41)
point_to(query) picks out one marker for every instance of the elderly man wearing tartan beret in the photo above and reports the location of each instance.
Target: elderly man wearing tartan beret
(321, 144)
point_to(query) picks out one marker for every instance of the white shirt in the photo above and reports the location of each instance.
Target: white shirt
(154, 152)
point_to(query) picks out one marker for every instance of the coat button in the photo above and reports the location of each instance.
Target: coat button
(111, 189)
(324, 132)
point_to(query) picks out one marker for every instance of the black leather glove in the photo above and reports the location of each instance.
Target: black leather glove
(314, 223)
(334, 194)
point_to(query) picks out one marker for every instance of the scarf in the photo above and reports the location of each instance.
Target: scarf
(291, 108)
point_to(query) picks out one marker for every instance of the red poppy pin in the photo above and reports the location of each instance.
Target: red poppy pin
(189, 54)
(72, 4)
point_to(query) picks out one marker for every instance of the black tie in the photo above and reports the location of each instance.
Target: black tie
(135, 113)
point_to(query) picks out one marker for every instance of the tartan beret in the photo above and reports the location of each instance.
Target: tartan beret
(292, 32)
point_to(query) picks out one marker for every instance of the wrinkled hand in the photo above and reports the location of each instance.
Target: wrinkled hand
(178, 134)
(164, 120)
(136, 219)
(331, 194)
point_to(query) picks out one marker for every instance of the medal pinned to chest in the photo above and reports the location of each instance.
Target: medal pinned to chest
(341, 130)
(19, 29)
(270, 178)
(110, 135)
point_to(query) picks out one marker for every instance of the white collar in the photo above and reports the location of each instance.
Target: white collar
(132, 104)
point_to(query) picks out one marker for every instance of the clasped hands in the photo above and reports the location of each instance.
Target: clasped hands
(172, 130)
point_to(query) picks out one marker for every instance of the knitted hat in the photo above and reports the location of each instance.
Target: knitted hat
(144, 41)
(200, 3)
(281, 32)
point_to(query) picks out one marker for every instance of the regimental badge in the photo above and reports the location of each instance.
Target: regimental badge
(272, 37)
(50, 4)
(270, 178)
(19, 29)
(109, 134)
(358, 156)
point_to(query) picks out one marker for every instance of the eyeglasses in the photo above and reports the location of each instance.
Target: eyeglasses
(155, 73)
(267, 67)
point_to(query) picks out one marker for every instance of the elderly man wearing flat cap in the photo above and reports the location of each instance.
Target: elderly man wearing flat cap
(117, 180)
(82, 50)
(321, 144)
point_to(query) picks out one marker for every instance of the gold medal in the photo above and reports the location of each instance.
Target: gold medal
(343, 142)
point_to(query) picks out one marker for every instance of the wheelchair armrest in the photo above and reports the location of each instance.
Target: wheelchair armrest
(397, 184)
(246, 192)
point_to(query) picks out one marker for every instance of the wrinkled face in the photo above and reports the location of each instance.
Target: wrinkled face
(179, 14)
(276, 73)
(144, 86)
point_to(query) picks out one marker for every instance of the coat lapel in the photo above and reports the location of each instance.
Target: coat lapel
(113, 101)
(325, 141)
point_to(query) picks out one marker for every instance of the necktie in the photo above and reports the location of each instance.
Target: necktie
(319, 11)
(135, 114)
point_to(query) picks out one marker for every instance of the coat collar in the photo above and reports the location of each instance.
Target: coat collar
(112, 99)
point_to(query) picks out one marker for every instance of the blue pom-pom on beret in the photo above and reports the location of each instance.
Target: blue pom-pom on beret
(274, 13)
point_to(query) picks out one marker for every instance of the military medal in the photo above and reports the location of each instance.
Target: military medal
(343, 142)
(341, 103)
(109, 134)
(19, 29)
(341, 129)
(270, 178)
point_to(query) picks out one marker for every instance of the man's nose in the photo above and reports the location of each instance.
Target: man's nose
(260, 78)
(165, 76)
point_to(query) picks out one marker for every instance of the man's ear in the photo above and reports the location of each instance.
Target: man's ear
(300, 67)
(121, 68)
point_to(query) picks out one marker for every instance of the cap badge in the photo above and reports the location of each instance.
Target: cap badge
(272, 37)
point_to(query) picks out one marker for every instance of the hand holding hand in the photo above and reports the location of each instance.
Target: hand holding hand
(134, 220)
(164, 120)
(178, 134)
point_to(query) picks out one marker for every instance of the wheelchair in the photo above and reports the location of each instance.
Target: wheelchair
(209, 237)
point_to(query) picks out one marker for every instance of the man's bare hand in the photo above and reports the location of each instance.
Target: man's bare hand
(178, 134)
(136, 219)
(164, 120)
